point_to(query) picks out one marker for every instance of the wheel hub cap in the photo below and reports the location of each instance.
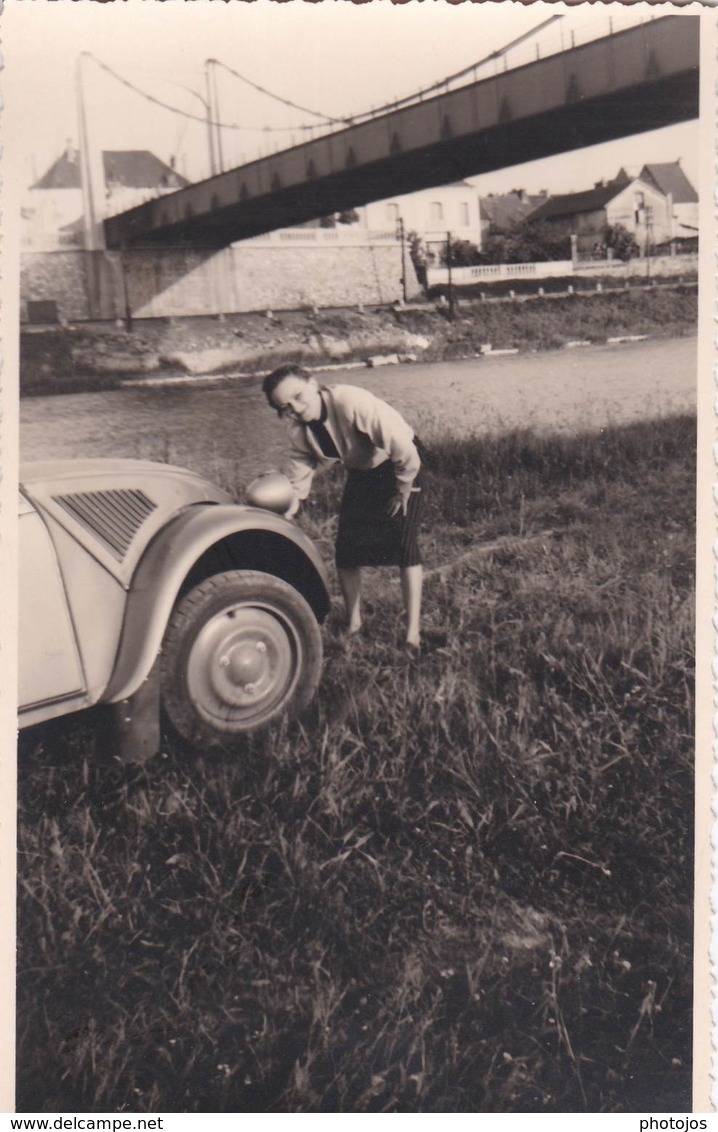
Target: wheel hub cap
(242, 661)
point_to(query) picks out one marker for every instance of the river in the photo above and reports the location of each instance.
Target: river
(227, 432)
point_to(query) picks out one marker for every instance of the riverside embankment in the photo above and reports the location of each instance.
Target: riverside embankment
(90, 357)
(227, 432)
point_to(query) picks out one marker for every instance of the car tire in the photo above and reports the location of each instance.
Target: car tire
(241, 650)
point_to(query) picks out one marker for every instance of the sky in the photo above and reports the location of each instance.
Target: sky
(336, 57)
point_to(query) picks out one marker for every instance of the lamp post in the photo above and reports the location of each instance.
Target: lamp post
(402, 237)
(213, 113)
(451, 284)
(208, 118)
(92, 172)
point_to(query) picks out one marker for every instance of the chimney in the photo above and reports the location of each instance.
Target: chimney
(598, 184)
(70, 151)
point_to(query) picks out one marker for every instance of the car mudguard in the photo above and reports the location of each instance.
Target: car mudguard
(165, 565)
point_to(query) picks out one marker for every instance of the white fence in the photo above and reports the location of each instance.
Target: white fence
(497, 272)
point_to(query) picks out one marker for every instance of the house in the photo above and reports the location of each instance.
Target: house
(431, 213)
(500, 212)
(53, 207)
(637, 204)
(673, 183)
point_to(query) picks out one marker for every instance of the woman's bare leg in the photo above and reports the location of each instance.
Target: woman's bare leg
(350, 582)
(411, 584)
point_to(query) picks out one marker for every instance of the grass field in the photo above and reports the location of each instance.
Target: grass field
(459, 884)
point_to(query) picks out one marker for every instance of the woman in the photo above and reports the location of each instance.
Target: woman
(379, 516)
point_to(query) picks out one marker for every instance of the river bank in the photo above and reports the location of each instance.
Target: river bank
(94, 357)
(226, 432)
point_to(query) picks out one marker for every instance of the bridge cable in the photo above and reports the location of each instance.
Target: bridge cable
(278, 97)
(418, 95)
(187, 113)
(369, 114)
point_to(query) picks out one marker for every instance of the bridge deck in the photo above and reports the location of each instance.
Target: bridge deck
(635, 80)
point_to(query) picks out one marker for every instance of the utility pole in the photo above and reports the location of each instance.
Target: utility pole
(125, 287)
(215, 132)
(208, 120)
(92, 171)
(401, 234)
(210, 127)
(451, 285)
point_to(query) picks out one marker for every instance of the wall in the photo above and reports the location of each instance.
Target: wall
(55, 275)
(262, 274)
(494, 272)
(651, 221)
(581, 224)
(640, 268)
(44, 213)
(418, 214)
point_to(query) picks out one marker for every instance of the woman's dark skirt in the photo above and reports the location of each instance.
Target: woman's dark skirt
(367, 536)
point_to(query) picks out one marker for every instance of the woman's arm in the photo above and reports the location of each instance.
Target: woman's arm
(302, 466)
(387, 430)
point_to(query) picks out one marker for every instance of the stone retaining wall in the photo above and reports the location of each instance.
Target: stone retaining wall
(55, 276)
(164, 283)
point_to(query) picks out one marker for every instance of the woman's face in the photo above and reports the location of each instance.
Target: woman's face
(298, 399)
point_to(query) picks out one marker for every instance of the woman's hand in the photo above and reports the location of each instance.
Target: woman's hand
(400, 502)
(396, 504)
(293, 508)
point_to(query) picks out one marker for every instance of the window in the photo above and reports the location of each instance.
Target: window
(392, 213)
(436, 210)
(639, 213)
(464, 214)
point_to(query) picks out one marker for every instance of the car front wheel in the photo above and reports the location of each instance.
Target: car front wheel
(241, 649)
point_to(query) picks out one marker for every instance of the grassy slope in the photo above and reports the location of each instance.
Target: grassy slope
(459, 884)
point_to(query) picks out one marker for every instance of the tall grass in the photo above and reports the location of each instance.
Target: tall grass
(461, 883)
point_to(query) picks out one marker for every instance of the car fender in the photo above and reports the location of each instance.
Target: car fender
(163, 568)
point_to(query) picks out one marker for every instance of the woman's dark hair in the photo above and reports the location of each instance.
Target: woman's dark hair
(272, 380)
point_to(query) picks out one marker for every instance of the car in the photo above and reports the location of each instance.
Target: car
(145, 588)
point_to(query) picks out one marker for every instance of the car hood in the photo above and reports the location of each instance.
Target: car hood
(40, 474)
(114, 507)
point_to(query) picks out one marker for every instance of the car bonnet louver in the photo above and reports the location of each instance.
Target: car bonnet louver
(114, 515)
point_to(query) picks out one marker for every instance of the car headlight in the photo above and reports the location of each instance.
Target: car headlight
(272, 491)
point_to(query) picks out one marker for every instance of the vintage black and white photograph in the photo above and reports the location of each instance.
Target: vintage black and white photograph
(358, 356)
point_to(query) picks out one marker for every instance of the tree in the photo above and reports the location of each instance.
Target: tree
(463, 254)
(536, 242)
(417, 255)
(620, 241)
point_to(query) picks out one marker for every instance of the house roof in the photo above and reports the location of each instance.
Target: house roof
(133, 168)
(505, 210)
(670, 178)
(568, 204)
